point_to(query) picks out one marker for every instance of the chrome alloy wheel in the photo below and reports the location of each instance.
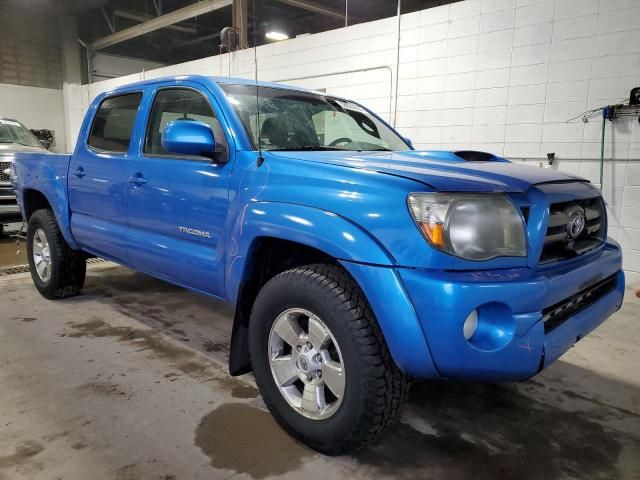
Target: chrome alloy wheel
(42, 255)
(306, 363)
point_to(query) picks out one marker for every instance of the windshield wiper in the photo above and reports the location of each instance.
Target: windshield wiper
(381, 149)
(309, 148)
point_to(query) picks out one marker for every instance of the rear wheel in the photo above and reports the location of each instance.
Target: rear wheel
(57, 270)
(321, 361)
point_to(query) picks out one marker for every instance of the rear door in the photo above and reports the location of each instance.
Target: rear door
(177, 204)
(97, 176)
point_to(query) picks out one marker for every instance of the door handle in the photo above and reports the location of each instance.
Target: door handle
(137, 179)
(79, 172)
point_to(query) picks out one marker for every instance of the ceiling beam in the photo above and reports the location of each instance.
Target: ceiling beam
(314, 7)
(171, 18)
(108, 20)
(143, 17)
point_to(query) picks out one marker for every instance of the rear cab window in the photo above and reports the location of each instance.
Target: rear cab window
(113, 123)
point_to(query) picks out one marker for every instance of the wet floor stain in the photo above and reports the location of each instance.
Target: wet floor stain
(213, 346)
(156, 345)
(161, 306)
(493, 432)
(25, 319)
(133, 471)
(245, 439)
(244, 391)
(112, 390)
(10, 253)
(147, 340)
(55, 436)
(22, 453)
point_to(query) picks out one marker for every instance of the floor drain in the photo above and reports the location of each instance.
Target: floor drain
(15, 269)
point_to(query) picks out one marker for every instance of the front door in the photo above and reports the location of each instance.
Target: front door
(177, 204)
(97, 174)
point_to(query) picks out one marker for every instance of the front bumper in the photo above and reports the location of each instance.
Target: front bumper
(10, 213)
(9, 209)
(510, 343)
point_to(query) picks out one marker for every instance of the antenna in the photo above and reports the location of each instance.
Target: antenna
(260, 159)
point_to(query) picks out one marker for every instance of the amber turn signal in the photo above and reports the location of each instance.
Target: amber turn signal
(434, 232)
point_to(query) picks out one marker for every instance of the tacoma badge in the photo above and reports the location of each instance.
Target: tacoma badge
(193, 231)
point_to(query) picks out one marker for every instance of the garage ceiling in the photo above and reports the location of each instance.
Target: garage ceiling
(199, 37)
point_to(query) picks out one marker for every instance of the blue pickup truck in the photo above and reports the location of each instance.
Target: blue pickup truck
(354, 262)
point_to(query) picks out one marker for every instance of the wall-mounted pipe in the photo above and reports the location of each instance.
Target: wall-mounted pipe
(395, 101)
(604, 127)
(89, 59)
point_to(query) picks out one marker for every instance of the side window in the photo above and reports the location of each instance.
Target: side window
(113, 123)
(179, 104)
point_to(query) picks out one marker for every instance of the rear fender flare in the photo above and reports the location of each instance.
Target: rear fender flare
(52, 187)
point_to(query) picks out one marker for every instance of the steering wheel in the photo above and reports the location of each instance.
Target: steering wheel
(344, 140)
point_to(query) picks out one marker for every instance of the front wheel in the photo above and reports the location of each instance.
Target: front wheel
(321, 362)
(57, 270)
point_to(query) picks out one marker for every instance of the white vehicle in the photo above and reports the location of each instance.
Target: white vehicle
(14, 137)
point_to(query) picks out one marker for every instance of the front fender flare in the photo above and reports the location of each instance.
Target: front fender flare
(328, 232)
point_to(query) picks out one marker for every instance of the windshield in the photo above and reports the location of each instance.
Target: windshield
(14, 132)
(293, 120)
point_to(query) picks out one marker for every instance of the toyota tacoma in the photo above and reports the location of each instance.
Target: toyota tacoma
(355, 262)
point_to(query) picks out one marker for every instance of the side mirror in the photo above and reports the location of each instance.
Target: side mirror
(409, 142)
(189, 137)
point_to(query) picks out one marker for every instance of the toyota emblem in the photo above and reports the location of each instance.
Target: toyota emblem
(576, 223)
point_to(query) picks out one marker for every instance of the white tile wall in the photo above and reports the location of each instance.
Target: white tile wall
(498, 75)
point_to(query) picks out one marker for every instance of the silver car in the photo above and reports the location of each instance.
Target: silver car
(14, 137)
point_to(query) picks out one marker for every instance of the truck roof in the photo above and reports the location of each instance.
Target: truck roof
(212, 79)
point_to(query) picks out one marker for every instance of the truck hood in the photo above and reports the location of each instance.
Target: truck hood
(444, 171)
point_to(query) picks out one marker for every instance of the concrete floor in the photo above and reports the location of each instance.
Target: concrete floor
(9, 255)
(128, 381)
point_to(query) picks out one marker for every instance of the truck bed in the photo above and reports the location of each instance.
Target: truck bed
(46, 173)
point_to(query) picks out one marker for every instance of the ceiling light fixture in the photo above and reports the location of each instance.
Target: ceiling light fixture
(276, 36)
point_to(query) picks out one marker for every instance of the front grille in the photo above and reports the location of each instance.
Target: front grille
(4, 177)
(559, 241)
(555, 315)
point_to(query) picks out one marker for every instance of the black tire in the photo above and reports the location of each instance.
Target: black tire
(375, 388)
(68, 267)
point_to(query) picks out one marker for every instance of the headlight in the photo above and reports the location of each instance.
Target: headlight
(473, 226)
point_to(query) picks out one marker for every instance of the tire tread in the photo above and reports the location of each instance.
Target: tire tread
(71, 264)
(386, 386)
